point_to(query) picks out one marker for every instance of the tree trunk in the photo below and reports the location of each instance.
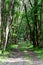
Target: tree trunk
(28, 25)
(2, 21)
(35, 24)
(9, 21)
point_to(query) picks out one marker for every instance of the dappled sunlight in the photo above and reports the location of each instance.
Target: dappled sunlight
(17, 61)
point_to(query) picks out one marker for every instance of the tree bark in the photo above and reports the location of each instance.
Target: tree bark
(9, 21)
(28, 25)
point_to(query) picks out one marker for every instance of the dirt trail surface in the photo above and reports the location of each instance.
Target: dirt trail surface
(16, 58)
(19, 58)
(35, 59)
(17, 61)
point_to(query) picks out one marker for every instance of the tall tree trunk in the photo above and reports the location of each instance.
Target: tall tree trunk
(7, 33)
(9, 21)
(28, 25)
(36, 23)
(2, 21)
(40, 25)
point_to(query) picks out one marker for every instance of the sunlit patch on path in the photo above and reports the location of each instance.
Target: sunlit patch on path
(16, 61)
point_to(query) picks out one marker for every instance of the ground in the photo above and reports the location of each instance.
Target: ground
(17, 56)
(22, 58)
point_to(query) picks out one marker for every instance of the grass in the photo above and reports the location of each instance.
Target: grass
(3, 56)
(11, 46)
(27, 57)
(26, 45)
(39, 52)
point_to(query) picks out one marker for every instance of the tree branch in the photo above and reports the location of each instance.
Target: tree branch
(30, 3)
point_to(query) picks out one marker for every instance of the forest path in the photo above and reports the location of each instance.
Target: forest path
(22, 58)
(35, 59)
(18, 57)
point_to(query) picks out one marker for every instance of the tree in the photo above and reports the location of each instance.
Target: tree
(9, 21)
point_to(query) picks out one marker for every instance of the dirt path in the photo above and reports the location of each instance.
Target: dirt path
(18, 58)
(16, 61)
(35, 60)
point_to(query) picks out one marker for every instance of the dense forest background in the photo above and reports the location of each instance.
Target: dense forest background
(21, 20)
